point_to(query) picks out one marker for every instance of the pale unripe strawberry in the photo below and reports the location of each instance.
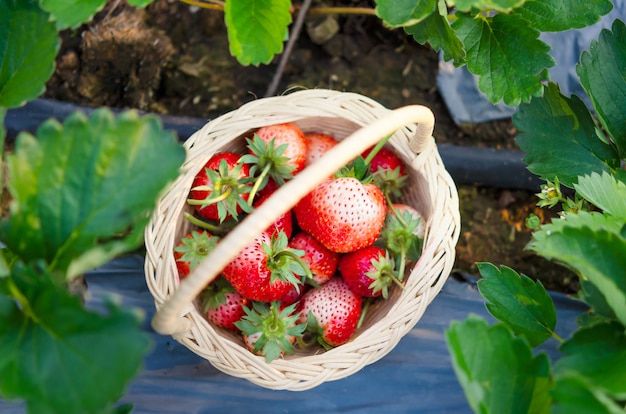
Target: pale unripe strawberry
(317, 145)
(334, 312)
(290, 134)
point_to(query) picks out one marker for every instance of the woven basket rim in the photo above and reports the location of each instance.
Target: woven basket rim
(301, 372)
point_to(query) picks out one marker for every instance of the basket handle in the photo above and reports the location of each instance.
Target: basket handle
(167, 320)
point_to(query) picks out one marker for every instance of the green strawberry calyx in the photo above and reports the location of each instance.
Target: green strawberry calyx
(399, 238)
(214, 295)
(383, 275)
(286, 263)
(196, 248)
(227, 190)
(275, 326)
(266, 162)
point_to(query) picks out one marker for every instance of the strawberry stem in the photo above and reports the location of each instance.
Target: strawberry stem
(366, 303)
(258, 182)
(376, 148)
(210, 200)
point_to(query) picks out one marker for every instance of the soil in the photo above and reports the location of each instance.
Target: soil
(172, 58)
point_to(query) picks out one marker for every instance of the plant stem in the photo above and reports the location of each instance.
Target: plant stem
(205, 5)
(219, 5)
(295, 34)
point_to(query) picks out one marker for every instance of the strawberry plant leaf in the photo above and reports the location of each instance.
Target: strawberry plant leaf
(71, 13)
(28, 47)
(601, 262)
(559, 137)
(573, 394)
(60, 357)
(602, 75)
(560, 15)
(599, 311)
(82, 191)
(140, 3)
(522, 304)
(498, 371)
(504, 6)
(506, 54)
(398, 13)
(597, 353)
(257, 29)
(436, 31)
(605, 192)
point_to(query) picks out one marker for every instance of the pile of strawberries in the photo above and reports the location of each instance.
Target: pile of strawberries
(309, 278)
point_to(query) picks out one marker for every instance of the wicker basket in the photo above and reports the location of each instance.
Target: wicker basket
(358, 122)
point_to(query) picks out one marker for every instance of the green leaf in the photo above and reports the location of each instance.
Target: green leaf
(28, 46)
(602, 75)
(605, 192)
(595, 253)
(507, 55)
(597, 353)
(140, 3)
(561, 15)
(436, 31)
(504, 6)
(397, 13)
(497, 371)
(599, 311)
(572, 394)
(83, 191)
(522, 304)
(71, 13)
(60, 357)
(257, 29)
(560, 139)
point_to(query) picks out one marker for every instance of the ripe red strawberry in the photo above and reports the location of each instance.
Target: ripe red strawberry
(384, 159)
(222, 304)
(332, 312)
(269, 330)
(294, 295)
(317, 145)
(219, 190)
(321, 261)
(388, 171)
(342, 213)
(291, 135)
(192, 249)
(369, 271)
(266, 269)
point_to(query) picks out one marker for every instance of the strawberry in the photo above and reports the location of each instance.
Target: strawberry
(342, 213)
(331, 312)
(270, 331)
(192, 249)
(266, 269)
(222, 304)
(369, 271)
(291, 135)
(384, 159)
(219, 191)
(321, 261)
(275, 152)
(317, 145)
(294, 295)
(387, 169)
